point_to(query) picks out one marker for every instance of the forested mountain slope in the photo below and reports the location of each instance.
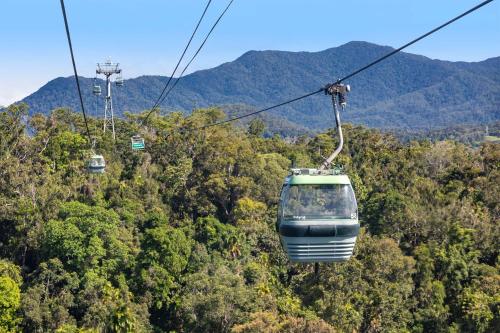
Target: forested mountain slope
(405, 91)
(181, 237)
(470, 135)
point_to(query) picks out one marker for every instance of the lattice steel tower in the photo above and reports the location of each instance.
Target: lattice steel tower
(107, 69)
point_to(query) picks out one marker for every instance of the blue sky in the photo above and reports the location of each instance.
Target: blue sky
(146, 36)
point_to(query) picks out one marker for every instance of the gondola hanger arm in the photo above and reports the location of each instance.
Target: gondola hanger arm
(338, 91)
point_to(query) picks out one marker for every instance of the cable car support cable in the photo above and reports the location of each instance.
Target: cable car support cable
(197, 51)
(63, 8)
(180, 60)
(353, 73)
(96, 164)
(262, 110)
(162, 98)
(414, 41)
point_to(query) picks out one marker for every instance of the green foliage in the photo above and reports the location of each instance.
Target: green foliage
(219, 236)
(272, 322)
(256, 127)
(47, 302)
(249, 215)
(10, 301)
(431, 312)
(10, 270)
(164, 257)
(181, 237)
(10, 296)
(11, 127)
(88, 238)
(369, 292)
(473, 135)
(65, 148)
(215, 300)
(388, 212)
(73, 329)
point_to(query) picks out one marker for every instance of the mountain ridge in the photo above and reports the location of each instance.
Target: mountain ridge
(410, 90)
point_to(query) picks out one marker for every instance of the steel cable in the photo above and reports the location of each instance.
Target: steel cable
(355, 72)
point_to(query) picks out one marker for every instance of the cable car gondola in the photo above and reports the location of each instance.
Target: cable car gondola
(96, 164)
(96, 90)
(318, 214)
(119, 81)
(137, 142)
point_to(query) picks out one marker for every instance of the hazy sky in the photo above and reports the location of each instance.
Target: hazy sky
(146, 36)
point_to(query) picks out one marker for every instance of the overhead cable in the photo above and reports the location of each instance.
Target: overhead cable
(63, 8)
(197, 51)
(179, 61)
(162, 98)
(353, 73)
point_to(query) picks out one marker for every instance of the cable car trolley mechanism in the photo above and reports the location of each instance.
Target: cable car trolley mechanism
(318, 213)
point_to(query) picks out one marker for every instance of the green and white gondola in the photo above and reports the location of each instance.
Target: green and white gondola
(318, 216)
(318, 212)
(137, 142)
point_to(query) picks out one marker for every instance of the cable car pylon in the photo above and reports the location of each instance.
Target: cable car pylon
(108, 69)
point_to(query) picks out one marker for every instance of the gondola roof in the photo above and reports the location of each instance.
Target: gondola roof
(316, 177)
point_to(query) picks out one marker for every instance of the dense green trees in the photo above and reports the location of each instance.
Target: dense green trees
(10, 296)
(181, 237)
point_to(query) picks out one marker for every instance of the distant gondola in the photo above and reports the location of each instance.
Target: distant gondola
(119, 81)
(96, 164)
(96, 90)
(137, 142)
